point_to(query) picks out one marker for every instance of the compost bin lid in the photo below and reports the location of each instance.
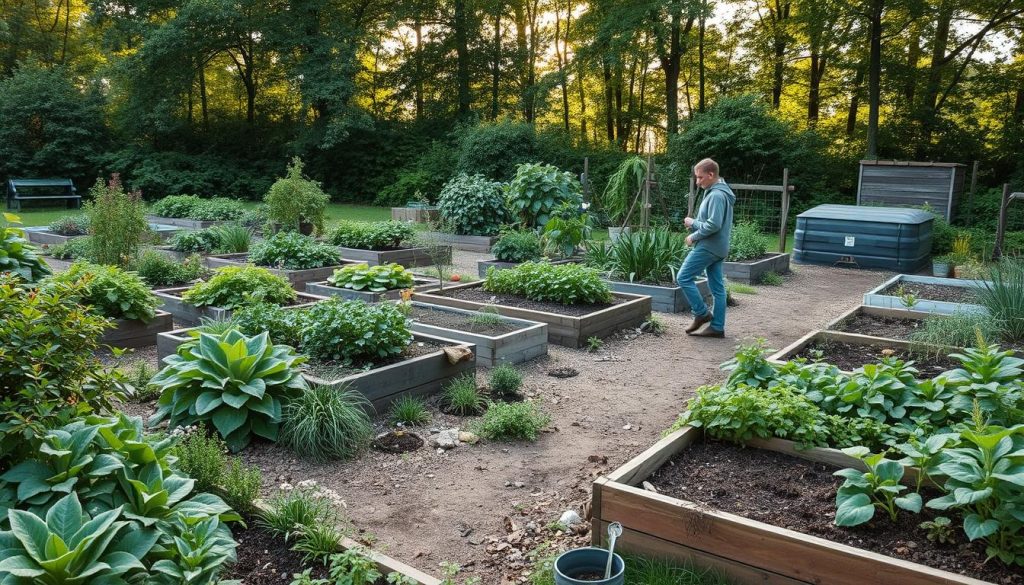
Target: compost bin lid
(873, 213)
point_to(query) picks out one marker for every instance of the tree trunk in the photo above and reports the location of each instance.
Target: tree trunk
(817, 72)
(583, 102)
(560, 59)
(779, 47)
(620, 123)
(461, 25)
(701, 103)
(670, 64)
(418, 56)
(851, 116)
(874, 76)
(640, 118)
(927, 114)
(609, 114)
(522, 53)
(913, 58)
(496, 71)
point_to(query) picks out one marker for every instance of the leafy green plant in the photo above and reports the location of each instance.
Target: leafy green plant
(473, 206)
(880, 391)
(232, 238)
(517, 246)
(377, 235)
(750, 365)
(396, 578)
(463, 397)
(380, 278)
(538, 189)
(567, 227)
(76, 249)
(196, 242)
(117, 222)
(201, 457)
(111, 292)
(877, 488)
(139, 375)
(354, 332)
(924, 455)
(650, 256)
(241, 485)
(772, 278)
(288, 512)
(175, 206)
(216, 209)
(654, 324)
(939, 531)
(988, 377)
(1003, 296)
(409, 410)
(568, 284)
(283, 325)
(487, 316)
(353, 567)
(70, 225)
(746, 242)
(293, 251)
(622, 186)
(327, 423)
(234, 381)
(594, 343)
(158, 270)
(505, 380)
(231, 287)
(318, 541)
(506, 421)
(17, 255)
(295, 199)
(200, 550)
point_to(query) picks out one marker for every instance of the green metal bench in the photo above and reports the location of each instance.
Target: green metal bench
(19, 190)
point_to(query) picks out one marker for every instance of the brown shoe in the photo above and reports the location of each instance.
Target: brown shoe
(709, 332)
(698, 322)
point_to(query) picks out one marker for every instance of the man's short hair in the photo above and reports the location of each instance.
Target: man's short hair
(707, 165)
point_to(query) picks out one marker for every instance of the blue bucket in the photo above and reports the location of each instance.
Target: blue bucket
(572, 563)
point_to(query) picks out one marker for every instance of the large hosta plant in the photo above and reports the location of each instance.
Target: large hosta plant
(17, 256)
(235, 382)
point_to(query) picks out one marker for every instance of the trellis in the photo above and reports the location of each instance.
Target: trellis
(765, 205)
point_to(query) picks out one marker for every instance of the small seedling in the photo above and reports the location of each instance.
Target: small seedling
(908, 300)
(653, 324)
(594, 343)
(939, 530)
(772, 278)
(487, 316)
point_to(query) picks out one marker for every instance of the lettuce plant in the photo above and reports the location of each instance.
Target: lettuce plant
(372, 278)
(235, 382)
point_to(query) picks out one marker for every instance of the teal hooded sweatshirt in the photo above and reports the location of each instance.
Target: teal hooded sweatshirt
(713, 225)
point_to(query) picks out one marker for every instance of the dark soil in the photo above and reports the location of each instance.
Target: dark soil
(397, 442)
(758, 259)
(335, 370)
(796, 494)
(460, 322)
(888, 327)
(933, 292)
(563, 372)
(264, 559)
(849, 357)
(588, 576)
(477, 294)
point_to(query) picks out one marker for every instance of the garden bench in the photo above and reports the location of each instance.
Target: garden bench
(19, 190)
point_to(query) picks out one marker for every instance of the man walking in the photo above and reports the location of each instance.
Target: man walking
(709, 235)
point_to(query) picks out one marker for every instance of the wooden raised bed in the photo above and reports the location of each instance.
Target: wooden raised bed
(417, 376)
(878, 312)
(465, 243)
(192, 224)
(745, 551)
(565, 330)
(130, 333)
(751, 272)
(297, 278)
(483, 265)
(325, 289)
(415, 214)
(43, 235)
(787, 353)
(407, 257)
(877, 297)
(530, 340)
(188, 314)
(664, 299)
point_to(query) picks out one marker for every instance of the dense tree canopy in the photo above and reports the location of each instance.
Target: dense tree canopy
(385, 98)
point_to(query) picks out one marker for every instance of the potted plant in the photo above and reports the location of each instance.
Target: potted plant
(961, 255)
(624, 183)
(941, 265)
(297, 203)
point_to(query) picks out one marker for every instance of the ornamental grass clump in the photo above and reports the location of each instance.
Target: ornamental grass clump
(648, 256)
(568, 284)
(231, 287)
(235, 382)
(293, 251)
(380, 278)
(462, 396)
(111, 292)
(1003, 296)
(409, 410)
(327, 423)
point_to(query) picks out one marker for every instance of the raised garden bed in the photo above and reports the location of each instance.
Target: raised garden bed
(192, 224)
(407, 257)
(465, 243)
(129, 333)
(849, 351)
(751, 271)
(932, 294)
(896, 324)
(326, 289)
(43, 235)
(569, 326)
(672, 525)
(416, 376)
(483, 265)
(297, 278)
(664, 298)
(191, 315)
(415, 214)
(511, 341)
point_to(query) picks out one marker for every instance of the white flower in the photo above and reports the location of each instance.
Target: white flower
(585, 205)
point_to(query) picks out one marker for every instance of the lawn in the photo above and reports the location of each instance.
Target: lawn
(335, 213)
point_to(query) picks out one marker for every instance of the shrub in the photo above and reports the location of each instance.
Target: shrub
(201, 457)
(650, 256)
(372, 278)
(231, 287)
(426, 176)
(76, 249)
(473, 205)
(568, 284)
(235, 382)
(517, 246)
(377, 235)
(327, 423)
(505, 380)
(217, 209)
(158, 270)
(175, 206)
(111, 292)
(241, 486)
(17, 255)
(196, 242)
(409, 410)
(293, 251)
(538, 189)
(295, 199)
(48, 371)
(495, 149)
(70, 225)
(283, 325)
(117, 222)
(354, 332)
(746, 242)
(512, 420)
(463, 397)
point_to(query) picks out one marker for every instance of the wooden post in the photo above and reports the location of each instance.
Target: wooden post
(785, 210)
(645, 209)
(974, 179)
(1004, 203)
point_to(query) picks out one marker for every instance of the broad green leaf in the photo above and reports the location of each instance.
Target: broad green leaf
(975, 527)
(854, 510)
(31, 531)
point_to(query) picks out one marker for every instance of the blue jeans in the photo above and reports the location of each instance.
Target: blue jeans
(698, 261)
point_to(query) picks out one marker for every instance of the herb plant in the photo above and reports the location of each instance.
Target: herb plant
(939, 530)
(111, 292)
(293, 251)
(17, 255)
(538, 189)
(117, 223)
(380, 278)
(746, 242)
(296, 199)
(505, 421)
(877, 488)
(505, 380)
(473, 206)
(288, 512)
(517, 246)
(236, 382)
(159, 271)
(568, 284)
(231, 287)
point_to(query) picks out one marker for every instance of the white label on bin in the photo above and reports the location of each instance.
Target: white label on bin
(850, 241)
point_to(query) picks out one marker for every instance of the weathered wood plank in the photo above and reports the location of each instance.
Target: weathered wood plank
(643, 465)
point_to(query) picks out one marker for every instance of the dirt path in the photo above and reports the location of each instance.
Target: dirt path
(426, 507)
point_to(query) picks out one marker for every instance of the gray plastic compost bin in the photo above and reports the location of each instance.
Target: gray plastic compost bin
(890, 238)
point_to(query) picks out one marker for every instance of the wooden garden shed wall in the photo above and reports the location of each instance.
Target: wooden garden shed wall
(896, 183)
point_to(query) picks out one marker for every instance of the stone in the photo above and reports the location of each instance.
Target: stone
(446, 439)
(570, 518)
(467, 437)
